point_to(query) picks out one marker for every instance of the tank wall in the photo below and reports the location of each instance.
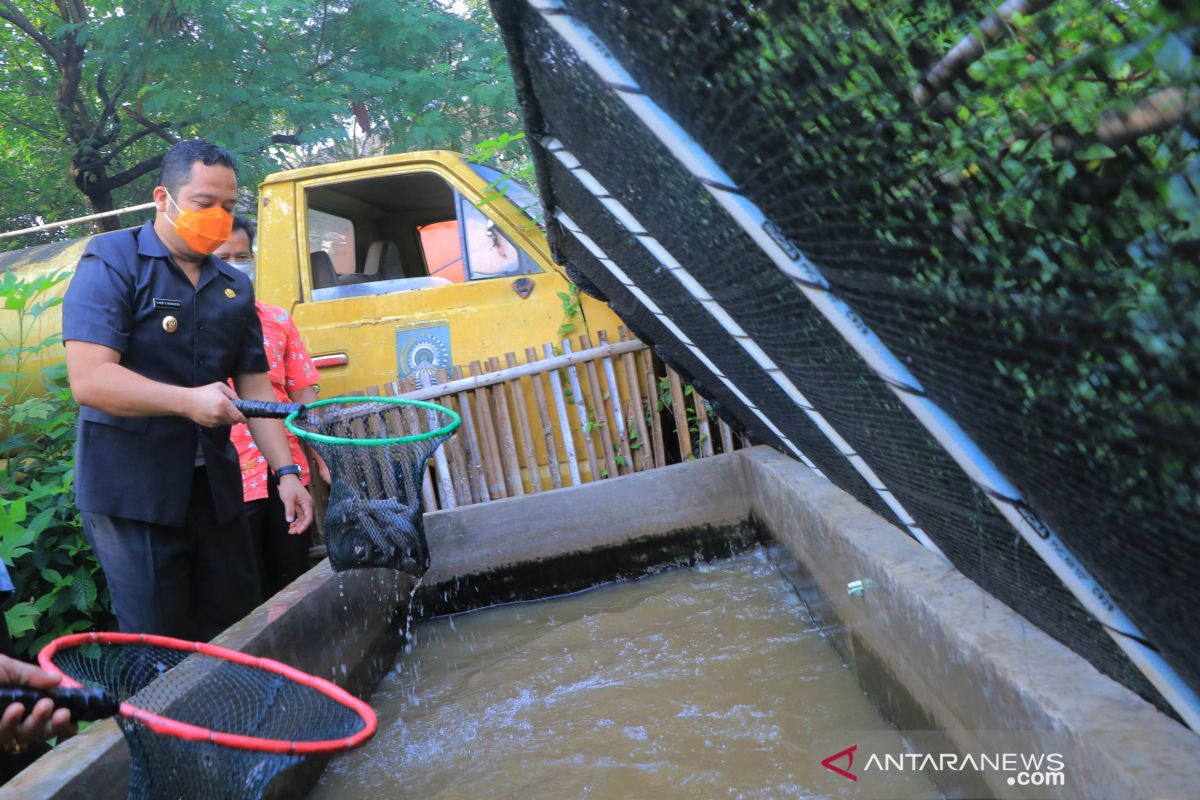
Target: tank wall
(951, 664)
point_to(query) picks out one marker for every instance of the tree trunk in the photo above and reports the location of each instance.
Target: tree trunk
(93, 184)
(102, 201)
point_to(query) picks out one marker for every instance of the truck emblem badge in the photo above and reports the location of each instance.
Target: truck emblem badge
(170, 324)
(523, 287)
(230, 293)
(422, 351)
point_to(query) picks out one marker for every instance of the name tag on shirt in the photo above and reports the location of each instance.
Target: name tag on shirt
(162, 302)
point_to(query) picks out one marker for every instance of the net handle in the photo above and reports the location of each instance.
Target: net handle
(166, 726)
(313, 436)
(267, 409)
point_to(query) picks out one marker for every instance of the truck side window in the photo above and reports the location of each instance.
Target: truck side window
(400, 233)
(490, 254)
(334, 235)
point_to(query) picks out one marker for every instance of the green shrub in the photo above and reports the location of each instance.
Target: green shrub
(59, 587)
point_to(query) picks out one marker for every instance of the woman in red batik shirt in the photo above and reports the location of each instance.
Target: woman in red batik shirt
(282, 557)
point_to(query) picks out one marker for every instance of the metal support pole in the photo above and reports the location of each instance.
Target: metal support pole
(625, 219)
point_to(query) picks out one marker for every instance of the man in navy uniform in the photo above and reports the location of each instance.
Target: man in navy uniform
(154, 327)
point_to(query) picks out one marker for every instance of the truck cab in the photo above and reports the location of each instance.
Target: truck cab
(397, 266)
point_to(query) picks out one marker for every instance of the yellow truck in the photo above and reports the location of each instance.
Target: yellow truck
(392, 267)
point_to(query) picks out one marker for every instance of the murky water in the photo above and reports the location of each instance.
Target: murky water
(704, 682)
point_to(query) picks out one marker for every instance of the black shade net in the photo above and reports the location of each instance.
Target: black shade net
(1018, 221)
(212, 693)
(375, 516)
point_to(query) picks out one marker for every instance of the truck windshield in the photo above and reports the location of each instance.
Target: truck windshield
(521, 196)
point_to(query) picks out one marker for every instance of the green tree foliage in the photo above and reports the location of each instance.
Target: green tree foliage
(1038, 166)
(92, 93)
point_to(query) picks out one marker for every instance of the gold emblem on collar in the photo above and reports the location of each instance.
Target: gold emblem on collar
(170, 324)
(230, 293)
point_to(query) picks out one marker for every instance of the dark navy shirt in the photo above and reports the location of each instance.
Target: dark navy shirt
(128, 294)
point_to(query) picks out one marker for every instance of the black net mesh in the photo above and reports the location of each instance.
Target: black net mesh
(1017, 221)
(375, 516)
(209, 692)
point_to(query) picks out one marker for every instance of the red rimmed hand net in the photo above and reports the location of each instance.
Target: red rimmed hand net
(205, 722)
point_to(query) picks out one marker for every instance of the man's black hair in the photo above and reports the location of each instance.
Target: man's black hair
(240, 223)
(177, 164)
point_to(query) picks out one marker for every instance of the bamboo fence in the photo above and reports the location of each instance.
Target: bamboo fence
(570, 413)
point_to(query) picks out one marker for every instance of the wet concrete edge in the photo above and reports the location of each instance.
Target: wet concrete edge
(318, 607)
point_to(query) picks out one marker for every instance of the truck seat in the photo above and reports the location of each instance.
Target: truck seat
(323, 274)
(383, 261)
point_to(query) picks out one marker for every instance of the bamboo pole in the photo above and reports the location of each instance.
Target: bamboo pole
(646, 357)
(564, 421)
(319, 492)
(342, 428)
(414, 426)
(642, 456)
(595, 394)
(727, 445)
(363, 458)
(473, 449)
(508, 445)
(440, 465)
(614, 394)
(706, 445)
(379, 466)
(679, 409)
(487, 434)
(455, 459)
(521, 415)
(581, 413)
(539, 396)
(395, 421)
(552, 362)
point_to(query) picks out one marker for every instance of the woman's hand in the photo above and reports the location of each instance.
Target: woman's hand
(40, 724)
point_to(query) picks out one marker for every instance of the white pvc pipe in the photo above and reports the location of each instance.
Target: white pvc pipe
(625, 218)
(879, 357)
(560, 405)
(66, 222)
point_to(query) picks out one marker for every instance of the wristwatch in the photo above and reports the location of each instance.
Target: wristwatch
(289, 469)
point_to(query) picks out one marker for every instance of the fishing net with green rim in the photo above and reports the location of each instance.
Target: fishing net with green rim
(205, 722)
(376, 449)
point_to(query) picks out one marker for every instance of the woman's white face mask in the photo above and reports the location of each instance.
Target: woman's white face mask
(245, 267)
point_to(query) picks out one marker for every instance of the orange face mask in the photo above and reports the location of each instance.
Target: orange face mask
(203, 231)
